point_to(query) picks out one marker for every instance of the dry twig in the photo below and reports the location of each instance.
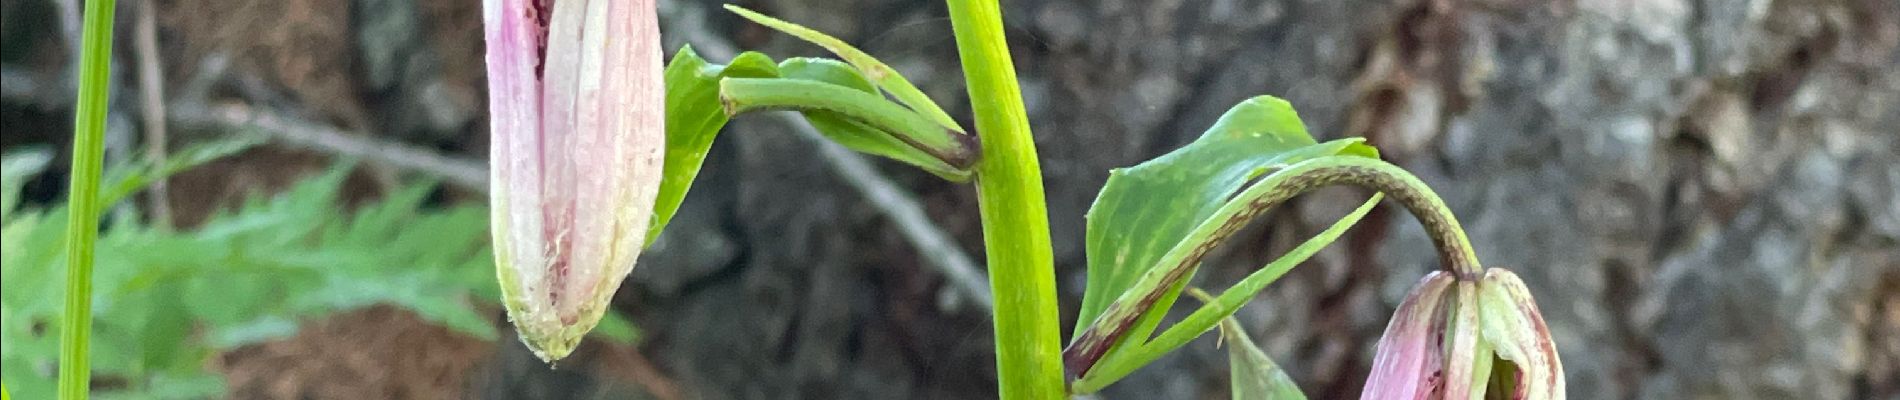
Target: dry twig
(152, 97)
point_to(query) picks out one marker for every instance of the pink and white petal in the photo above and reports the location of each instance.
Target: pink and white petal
(512, 40)
(1461, 344)
(1407, 364)
(633, 111)
(1517, 328)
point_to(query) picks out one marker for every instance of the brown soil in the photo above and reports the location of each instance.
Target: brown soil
(377, 353)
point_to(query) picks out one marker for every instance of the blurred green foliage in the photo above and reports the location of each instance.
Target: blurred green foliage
(166, 301)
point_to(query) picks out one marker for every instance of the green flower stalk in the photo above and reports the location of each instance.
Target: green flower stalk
(576, 101)
(1461, 338)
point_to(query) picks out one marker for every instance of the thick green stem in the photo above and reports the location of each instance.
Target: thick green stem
(1015, 218)
(82, 223)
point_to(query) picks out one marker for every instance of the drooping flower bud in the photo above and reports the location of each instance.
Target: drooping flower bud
(1410, 357)
(576, 104)
(1455, 338)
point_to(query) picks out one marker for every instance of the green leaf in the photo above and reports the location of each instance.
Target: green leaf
(885, 77)
(1122, 360)
(1152, 222)
(693, 118)
(857, 135)
(695, 113)
(1251, 373)
(130, 180)
(166, 299)
(163, 328)
(1148, 210)
(949, 151)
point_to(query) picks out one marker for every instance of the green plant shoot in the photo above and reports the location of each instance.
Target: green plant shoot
(82, 224)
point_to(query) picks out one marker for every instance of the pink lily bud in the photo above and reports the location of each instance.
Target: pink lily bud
(1410, 359)
(576, 101)
(1455, 338)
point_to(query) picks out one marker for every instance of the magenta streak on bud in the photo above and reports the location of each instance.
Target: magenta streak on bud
(576, 104)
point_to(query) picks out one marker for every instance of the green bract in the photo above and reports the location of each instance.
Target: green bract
(696, 111)
(693, 120)
(1147, 210)
(1152, 222)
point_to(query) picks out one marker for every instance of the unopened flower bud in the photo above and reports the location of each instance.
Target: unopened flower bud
(576, 101)
(1455, 338)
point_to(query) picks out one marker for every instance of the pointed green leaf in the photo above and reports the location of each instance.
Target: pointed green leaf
(1253, 375)
(875, 70)
(693, 119)
(137, 177)
(1147, 210)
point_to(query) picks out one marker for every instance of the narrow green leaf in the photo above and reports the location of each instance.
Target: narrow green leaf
(856, 135)
(875, 70)
(695, 114)
(1147, 210)
(1253, 375)
(130, 180)
(1126, 357)
(888, 119)
(693, 119)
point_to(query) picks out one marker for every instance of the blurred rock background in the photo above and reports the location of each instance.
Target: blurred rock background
(1703, 194)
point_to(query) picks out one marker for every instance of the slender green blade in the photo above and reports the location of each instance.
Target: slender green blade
(875, 70)
(1124, 359)
(693, 119)
(1147, 210)
(856, 135)
(137, 178)
(885, 118)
